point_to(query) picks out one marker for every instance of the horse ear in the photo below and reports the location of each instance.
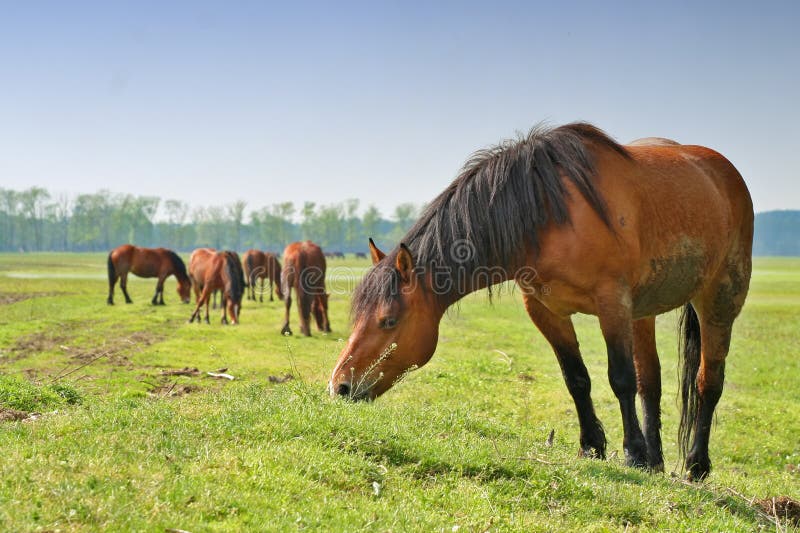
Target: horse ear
(404, 263)
(376, 254)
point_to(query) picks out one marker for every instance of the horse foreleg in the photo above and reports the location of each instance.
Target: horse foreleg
(261, 294)
(202, 299)
(123, 284)
(560, 333)
(617, 326)
(159, 292)
(271, 299)
(648, 375)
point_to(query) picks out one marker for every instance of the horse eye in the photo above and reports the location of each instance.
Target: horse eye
(388, 323)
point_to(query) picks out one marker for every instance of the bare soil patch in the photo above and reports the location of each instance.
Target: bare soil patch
(115, 350)
(38, 342)
(170, 390)
(782, 508)
(185, 371)
(12, 415)
(7, 298)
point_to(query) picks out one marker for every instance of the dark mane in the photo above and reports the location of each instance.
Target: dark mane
(178, 266)
(496, 206)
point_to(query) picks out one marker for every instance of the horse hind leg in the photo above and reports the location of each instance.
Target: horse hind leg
(123, 284)
(716, 311)
(111, 283)
(159, 292)
(560, 333)
(304, 308)
(648, 377)
(286, 330)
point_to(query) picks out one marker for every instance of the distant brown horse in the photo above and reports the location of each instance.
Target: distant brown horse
(223, 272)
(158, 263)
(583, 225)
(197, 264)
(304, 270)
(264, 266)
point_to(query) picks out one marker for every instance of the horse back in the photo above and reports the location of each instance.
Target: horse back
(676, 215)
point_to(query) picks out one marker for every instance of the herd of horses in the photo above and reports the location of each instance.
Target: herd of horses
(223, 272)
(582, 224)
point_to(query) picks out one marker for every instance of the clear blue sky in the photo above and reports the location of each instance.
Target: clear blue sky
(212, 102)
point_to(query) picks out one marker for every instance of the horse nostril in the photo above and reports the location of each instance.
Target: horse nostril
(343, 389)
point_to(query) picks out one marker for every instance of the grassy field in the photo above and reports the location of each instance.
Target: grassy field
(460, 445)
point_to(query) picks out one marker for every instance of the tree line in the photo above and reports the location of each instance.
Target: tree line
(36, 220)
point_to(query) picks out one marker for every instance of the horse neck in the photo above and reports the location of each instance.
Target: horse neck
(451, 284)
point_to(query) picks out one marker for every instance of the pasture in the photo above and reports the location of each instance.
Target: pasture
(461, 445)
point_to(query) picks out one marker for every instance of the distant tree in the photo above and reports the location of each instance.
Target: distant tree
(329, 226)
(236, 216)
(177, 212)
(352, 223)
(283, 212)
(9, 202)
(308, 225)
(369, 222)
(404, 215)
(32, 202)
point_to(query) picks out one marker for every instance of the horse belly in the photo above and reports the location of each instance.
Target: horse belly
(669, 283)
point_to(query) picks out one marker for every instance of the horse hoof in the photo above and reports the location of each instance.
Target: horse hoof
(698, 469)
(285, 330)
(590, 452)
(636, 462)
(109, 302)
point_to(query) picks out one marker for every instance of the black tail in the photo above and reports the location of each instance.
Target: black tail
(689, 350)
(249, 279)
(233, 270)
(112, 272)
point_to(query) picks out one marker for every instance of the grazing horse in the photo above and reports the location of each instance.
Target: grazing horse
(261, 265)
(158, 263)
(197, 263)
(304, 270)
(583, 225)
(223, 272)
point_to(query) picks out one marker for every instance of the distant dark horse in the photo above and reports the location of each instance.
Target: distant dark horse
(304, 270)
(223, 271)
(158, 263)
(264, 266)
(583, 225)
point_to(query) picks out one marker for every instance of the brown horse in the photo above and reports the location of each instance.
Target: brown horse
(261, 265)
(158, 263)
(304, 270)
(198, 261)
(223, 272)
(583, 225)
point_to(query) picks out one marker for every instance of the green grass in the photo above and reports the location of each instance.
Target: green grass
(462, 442)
